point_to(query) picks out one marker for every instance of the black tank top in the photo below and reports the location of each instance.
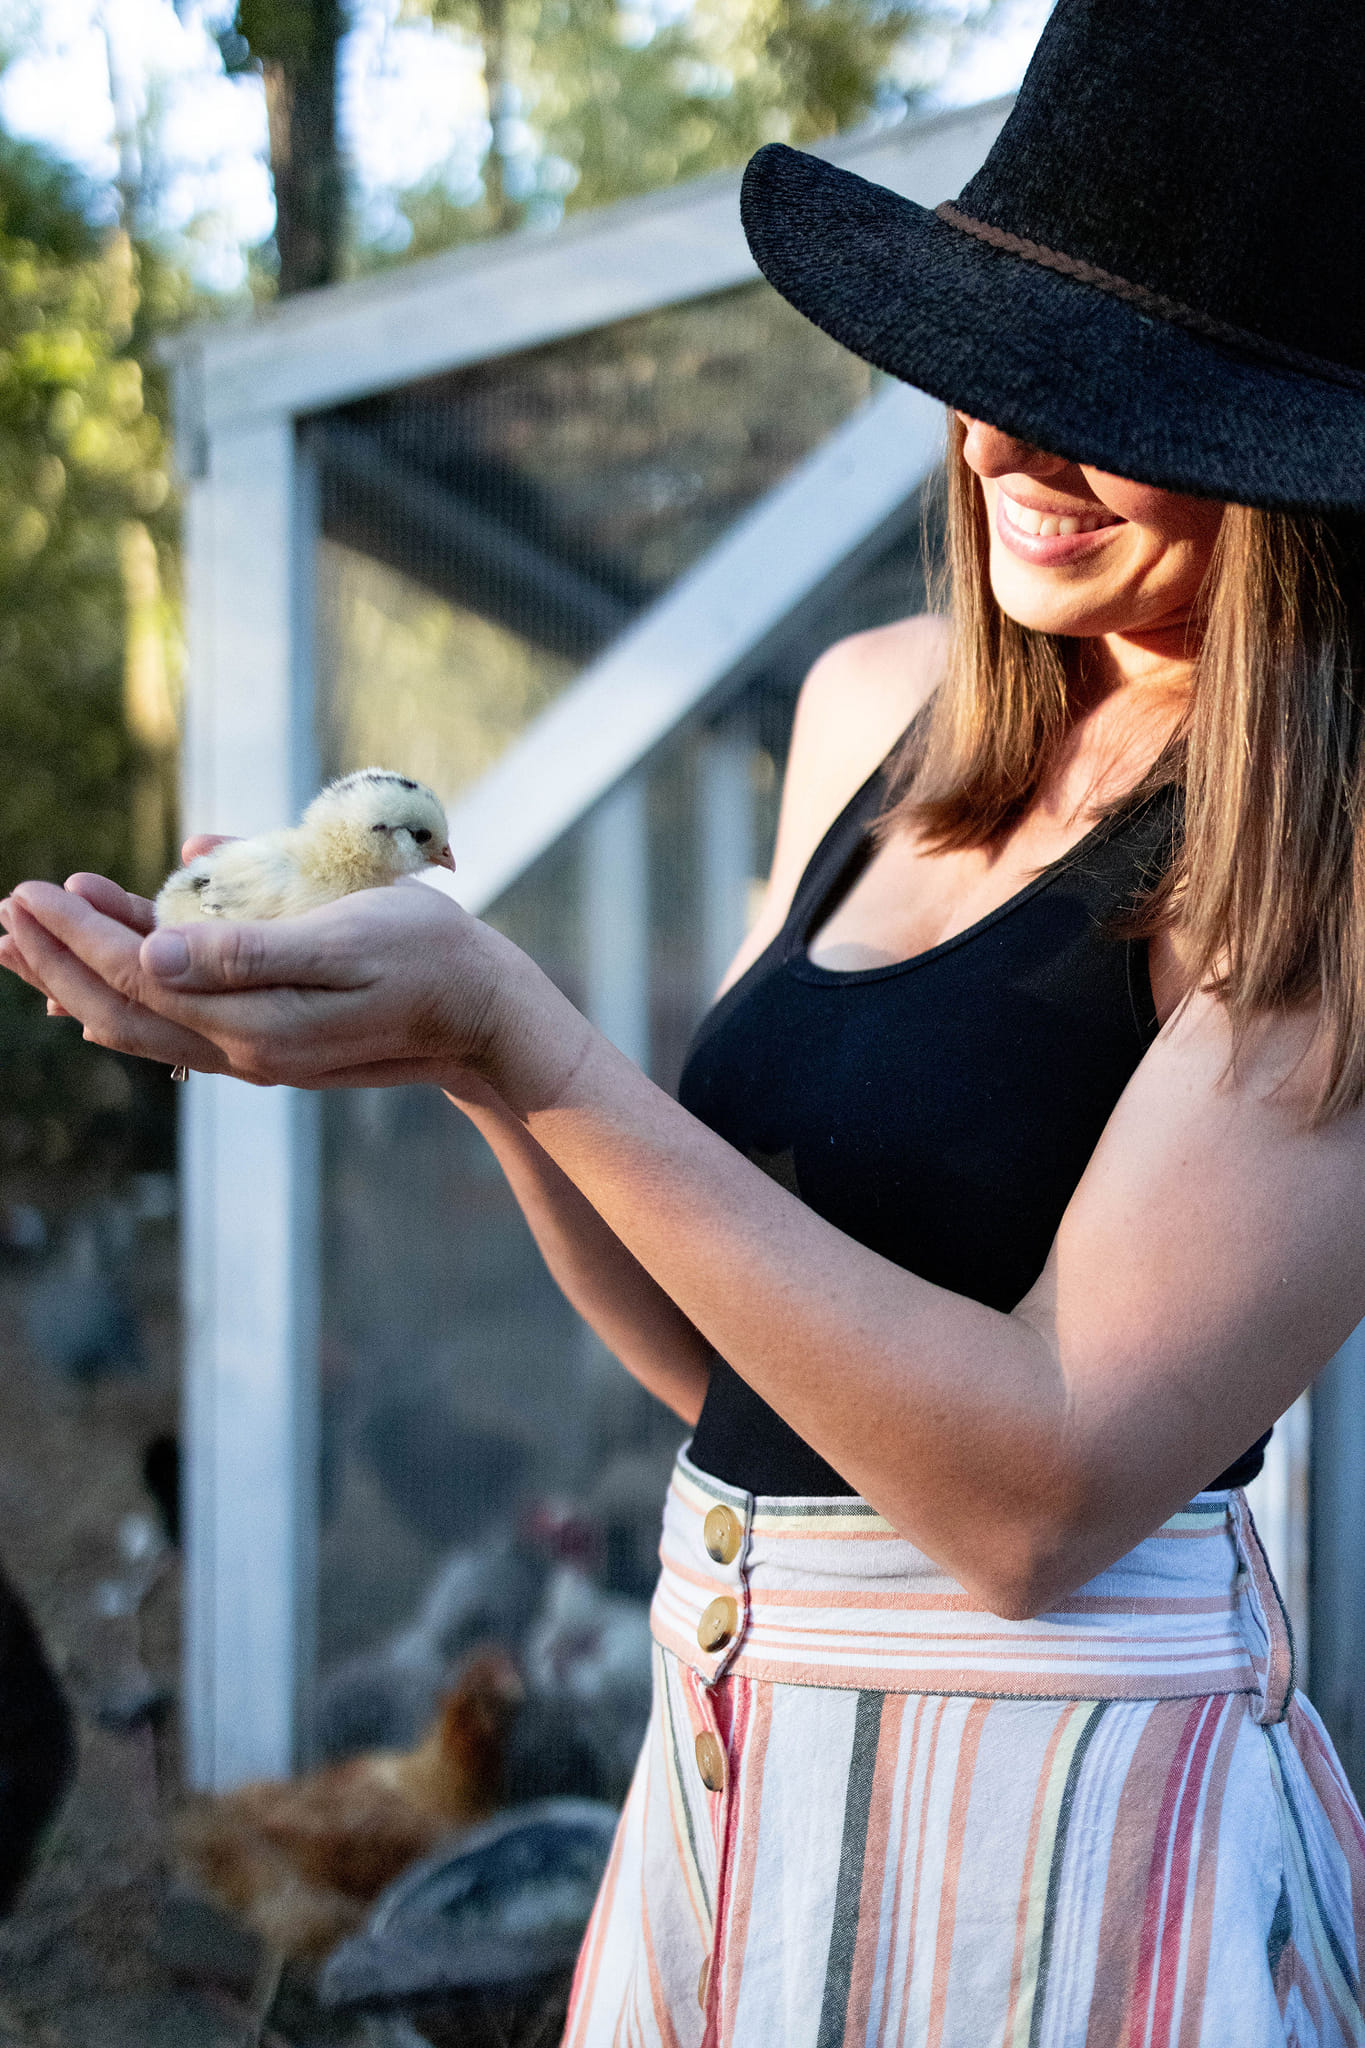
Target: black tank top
(941, 1110)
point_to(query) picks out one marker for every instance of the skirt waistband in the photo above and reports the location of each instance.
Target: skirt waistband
(823, 1592)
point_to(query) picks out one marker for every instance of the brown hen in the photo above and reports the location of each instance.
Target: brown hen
(300, 1861)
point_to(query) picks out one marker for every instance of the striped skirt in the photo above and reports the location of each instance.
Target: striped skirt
(868, 1812)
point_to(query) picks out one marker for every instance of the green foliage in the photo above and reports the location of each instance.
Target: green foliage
(700, 96)
(620, 110)
(82, 458)
(618, 101)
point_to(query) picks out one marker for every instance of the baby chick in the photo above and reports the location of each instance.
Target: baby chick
(363, 831)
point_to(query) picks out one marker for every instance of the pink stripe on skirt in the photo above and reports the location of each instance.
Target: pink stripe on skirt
(868, 1812)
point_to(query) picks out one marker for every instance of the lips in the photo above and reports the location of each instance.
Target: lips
(1051, 537)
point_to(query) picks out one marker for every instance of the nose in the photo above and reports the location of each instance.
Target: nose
(992, 452)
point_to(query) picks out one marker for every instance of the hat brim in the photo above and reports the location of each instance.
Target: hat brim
(1063, 365)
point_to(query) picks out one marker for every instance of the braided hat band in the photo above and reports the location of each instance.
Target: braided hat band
(1155, 303)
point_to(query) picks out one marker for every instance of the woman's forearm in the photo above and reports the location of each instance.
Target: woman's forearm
(607, 1285)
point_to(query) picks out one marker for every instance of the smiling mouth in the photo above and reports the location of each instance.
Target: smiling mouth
(1050, 525)
(1052, 540)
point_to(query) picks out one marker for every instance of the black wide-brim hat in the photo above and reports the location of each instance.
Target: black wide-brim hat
(1159, 271)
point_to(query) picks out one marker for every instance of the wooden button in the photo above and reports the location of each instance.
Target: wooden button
(703, 1983)
(722, 1532)
(718, 1623)
(711, 1761)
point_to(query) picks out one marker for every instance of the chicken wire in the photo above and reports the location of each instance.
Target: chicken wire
(487, 1472)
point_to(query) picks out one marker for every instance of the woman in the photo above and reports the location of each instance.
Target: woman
(1016, 1177)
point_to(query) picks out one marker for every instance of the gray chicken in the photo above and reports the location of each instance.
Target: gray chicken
(489, 1593)
(503, 1908)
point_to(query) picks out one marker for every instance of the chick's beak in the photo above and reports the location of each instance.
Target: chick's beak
(444, 859)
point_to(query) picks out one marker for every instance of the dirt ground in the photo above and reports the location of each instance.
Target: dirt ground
(105, 1950)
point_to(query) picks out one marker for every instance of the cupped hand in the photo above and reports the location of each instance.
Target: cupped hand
(137, 912)
(387, 986)
(133, 911)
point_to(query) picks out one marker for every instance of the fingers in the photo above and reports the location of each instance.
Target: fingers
(103, 943)
(216, 984)
(107, 1017)
(13, 959)
(11, 956)
(345, 988)
(111, 901)
(219, 958)
(89, 966)
(202, 842)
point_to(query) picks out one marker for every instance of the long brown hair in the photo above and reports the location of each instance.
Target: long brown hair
(1267, 883)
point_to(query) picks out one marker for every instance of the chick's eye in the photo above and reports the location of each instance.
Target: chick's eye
(379, 828)
(422, 836)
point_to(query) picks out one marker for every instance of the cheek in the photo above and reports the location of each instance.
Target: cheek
(1142, 503)
(1168, 519)
(1171, 567)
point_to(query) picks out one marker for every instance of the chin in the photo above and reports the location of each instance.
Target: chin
(1048, 600)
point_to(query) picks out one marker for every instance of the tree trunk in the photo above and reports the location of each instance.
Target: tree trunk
(296, 44)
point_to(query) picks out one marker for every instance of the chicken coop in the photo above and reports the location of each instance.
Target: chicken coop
(555, 524)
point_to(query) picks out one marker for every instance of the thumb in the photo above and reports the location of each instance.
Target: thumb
(214, 958)
(203, 842)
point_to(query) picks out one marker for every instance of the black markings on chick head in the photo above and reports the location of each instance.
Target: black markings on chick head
(379, 775)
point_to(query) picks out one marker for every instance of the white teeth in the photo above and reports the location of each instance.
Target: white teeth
(1047, 525)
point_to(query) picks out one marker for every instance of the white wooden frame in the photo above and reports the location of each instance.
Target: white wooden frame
(702, 638)
(327, 348)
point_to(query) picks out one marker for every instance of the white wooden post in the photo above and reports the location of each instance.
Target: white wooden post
(249, 1156)
(616, 919)
(1337, 1674)
(725, 827)
(705, 636)
(1278, 1497)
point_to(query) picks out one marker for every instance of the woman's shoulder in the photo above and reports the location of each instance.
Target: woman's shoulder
(854, 705)
(864, 690)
